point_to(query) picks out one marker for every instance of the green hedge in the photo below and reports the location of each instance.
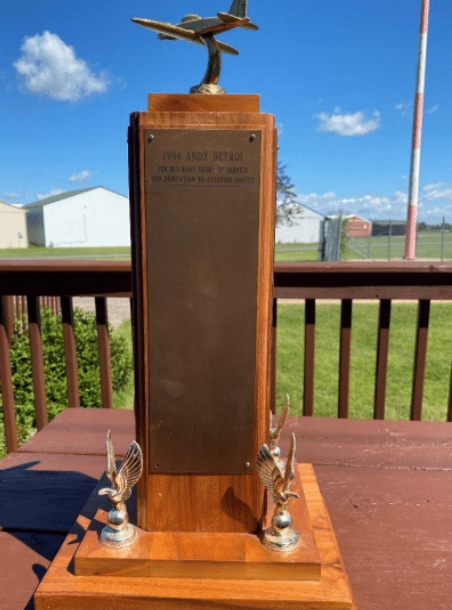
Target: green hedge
(55, 369)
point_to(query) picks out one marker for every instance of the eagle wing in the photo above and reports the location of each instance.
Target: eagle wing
(289, 473)
(130, 471)
(270, 473)
(276, 431)
(110, 471)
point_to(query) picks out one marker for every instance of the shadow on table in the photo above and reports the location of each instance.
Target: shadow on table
(42, 501)
(39, 507)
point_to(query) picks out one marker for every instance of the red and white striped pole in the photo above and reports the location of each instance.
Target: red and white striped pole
(413, 193)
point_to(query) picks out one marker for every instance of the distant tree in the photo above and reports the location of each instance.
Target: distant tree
(287, 207)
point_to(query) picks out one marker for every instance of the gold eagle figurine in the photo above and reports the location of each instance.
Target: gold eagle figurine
(119, 533)
(277, 480)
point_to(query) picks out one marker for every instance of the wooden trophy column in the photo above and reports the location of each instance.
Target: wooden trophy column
(203, 200)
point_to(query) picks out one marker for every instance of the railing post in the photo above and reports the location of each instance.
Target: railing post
(103, 344)
(420, 358)
(309, 357)
(381, 368)
(9, 317)
(9, 415)
(37, 361)
(344, 357)
(70, 353)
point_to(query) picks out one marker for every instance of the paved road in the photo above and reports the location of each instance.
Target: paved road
(118, 309)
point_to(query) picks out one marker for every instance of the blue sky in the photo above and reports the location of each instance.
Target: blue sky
(339, 76)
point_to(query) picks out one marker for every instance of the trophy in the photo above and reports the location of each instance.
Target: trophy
(202, 175)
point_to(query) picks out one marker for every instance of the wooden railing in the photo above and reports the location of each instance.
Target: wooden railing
(59, 281)
(54, 283)
(385, 282)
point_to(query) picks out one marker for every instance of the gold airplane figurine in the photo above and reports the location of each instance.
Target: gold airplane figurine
(277, 479)
(119, 533)
(201, 31)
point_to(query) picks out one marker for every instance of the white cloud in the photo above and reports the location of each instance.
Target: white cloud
(403, 107)
(12, 195)
(369, 206)
(435, 201)
(51, 193)
(84, 176)
(400, 197)
(315, 200)
(438, 190)
(348, 124)
(437, 213)
(50, 67)
(433, 109)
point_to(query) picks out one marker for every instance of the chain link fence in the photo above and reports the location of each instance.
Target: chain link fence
(385, 240)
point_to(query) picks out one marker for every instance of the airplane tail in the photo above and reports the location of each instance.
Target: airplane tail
(239, 8)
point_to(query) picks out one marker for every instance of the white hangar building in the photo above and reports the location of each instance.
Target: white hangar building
(13, 226)
(306, 228)
(80, 219)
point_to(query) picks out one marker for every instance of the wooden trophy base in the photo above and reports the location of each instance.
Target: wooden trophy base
(164, 571)
(203, 555)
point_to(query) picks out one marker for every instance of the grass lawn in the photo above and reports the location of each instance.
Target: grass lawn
(290, 252)
(36, 252)
(296, 252)
(363, 359)
(430, 245)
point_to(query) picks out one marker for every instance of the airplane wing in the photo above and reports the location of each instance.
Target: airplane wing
(167, 29)
(242, 22)
(173, 32)
(226, 48)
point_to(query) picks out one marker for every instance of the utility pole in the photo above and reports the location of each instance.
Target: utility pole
(413, 193)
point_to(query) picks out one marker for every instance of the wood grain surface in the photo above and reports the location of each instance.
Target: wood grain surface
(158, 497)
(201, 555)
(161, 102)
(62, 589)
(387, 486)
(74, 434)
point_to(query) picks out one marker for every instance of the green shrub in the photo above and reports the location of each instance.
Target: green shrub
(55, 369)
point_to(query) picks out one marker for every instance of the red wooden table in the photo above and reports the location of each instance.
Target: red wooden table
(387, 486)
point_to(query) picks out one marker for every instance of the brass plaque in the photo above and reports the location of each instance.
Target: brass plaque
(201, 233)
